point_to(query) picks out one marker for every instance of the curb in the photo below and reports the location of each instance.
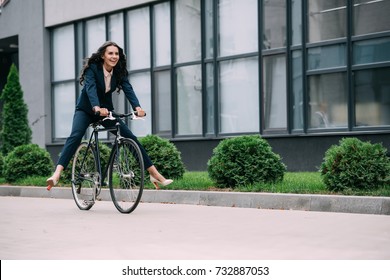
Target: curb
(302, 202)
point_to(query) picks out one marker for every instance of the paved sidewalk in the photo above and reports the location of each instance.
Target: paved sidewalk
(55, 229)
(319, 203)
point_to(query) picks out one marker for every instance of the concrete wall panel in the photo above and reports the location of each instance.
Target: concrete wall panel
(59, 11)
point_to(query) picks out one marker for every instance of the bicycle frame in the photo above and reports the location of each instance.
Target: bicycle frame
(116, 141)
(94, 142)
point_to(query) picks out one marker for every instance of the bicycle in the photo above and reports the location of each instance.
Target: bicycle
(124, 171)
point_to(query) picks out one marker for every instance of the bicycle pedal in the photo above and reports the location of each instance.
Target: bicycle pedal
(88, 202)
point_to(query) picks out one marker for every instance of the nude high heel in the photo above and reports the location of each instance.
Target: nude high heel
(51, 182)
(157, 182)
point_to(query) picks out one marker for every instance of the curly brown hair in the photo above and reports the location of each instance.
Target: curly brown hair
(120, 69)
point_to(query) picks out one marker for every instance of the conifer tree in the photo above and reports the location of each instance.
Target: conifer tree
(15, 130)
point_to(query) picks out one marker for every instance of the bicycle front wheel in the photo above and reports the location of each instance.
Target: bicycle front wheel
(84, 176)
(126, 176)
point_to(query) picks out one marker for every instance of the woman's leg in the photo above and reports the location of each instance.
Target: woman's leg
(81, 121)
(53, 180)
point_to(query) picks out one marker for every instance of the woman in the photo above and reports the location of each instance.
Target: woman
(103, 73)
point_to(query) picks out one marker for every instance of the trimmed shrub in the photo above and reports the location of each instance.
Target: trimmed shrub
(1, 165)
(15, 130)
(164, 155)
(25, 161)
(356, 165)
(245, 160)
(104, 149)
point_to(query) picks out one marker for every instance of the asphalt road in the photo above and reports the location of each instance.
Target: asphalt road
(55, 229)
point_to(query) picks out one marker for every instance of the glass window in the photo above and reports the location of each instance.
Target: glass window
(115, 29)
(371, 51)
(327, 57)
(297, 87)
(328, 96)
(372, 97)
(327, 19)
(80, 55)
(296, 19)
(162, 103)
(209, 27)
(274, 34)
(275, 97)
(237, 33)
(371, 16)
(239, 95)
(189, 100)
(64, 102)
(188, 44)
(162, 34)
(119, 101)
(139, 39)
(141, 85)
(95, 32)
(210, 100)
(63, 53)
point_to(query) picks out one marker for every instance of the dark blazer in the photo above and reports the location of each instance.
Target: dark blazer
(93, 93)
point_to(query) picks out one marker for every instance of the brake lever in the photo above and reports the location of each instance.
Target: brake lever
(109, 117)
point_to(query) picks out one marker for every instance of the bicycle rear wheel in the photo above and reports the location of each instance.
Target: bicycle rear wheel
(126, 176)
(84, 176)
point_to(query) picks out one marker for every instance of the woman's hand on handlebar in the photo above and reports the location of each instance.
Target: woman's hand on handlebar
(140, 112)
(101, 111)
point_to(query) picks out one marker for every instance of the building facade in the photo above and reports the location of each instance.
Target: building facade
(302, 73)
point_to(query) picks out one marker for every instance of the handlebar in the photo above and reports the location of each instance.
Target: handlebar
(113, 116)
(117, 115)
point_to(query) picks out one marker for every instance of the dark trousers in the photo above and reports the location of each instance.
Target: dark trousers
(81, 121)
